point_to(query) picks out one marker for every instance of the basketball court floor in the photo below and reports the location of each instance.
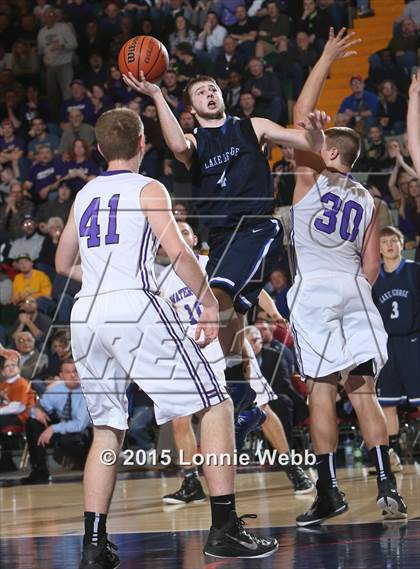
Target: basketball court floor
(41, 525)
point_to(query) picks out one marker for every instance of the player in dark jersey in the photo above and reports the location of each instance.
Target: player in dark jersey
(397, 296)
(233, 193)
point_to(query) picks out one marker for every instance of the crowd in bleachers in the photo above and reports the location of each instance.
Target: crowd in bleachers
(58, 73)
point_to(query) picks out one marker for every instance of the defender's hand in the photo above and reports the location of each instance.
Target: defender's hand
(315, 121)
(339, 47)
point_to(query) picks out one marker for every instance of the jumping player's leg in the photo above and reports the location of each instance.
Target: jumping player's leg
(274, 433)
(362, 394)
(185, 440)
(323, 427)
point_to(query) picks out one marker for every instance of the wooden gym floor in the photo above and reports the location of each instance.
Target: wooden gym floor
(40, 526)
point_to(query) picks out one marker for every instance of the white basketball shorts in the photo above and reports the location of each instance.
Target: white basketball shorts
(335, 324)
(135, 335)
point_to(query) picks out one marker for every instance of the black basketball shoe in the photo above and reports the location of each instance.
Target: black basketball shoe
(232, 540)
(190, 491)
(329, 502)
(390, 502)
(100, 556)
(302, 484)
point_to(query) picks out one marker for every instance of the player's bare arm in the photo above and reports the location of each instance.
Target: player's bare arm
(67, 262)
(179, 143)
(156, 206)
(371, 258)
(413, 122)
(310, 139)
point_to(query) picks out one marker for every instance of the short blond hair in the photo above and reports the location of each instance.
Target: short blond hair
(347, 141)
(117, 134)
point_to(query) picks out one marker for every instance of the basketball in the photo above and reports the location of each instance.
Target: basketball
(143, 53)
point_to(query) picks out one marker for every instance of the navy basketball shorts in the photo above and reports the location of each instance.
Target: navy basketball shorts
(240, 260)
(399, 379)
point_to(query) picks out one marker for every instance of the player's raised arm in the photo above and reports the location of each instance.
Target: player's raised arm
(175, 139)
(67, 255)
(156, 206)
(336, 48)
(413, 122)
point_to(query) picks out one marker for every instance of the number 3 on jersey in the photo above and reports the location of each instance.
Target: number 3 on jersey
(89, 226)
(395, 312)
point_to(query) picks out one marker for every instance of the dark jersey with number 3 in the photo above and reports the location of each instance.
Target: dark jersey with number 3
(397, 296)
(231, 177)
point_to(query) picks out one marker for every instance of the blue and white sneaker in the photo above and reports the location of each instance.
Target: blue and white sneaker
(247, 422)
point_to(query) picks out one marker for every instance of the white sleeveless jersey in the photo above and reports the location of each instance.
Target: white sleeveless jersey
(116, 243)
(329, 225)
(173, 289)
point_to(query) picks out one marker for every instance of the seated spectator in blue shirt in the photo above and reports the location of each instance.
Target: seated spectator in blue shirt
(41, 138)
(60, 420)
(43, 176)
(81, 168)
(229, 59)
(78, 101)
(361, 105)
(33, 106)
(12, 147)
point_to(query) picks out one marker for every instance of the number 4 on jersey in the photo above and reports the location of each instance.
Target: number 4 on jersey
(222, 182)
(89, 226)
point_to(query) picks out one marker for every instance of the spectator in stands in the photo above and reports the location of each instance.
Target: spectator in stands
(247, 105)
(284, 179)
(269, 341)
(12, 147)
(92, 41)
(382, 67)
(211, 37)
(40, 137)
(78, 101)
(32, 363)
(266, 90)
(60, 352)
(272, 28)
(393, 109)
(32, 107)
(175, 172)
(233, 91)
(198, 16)
(172, 90)
(28, 29)
(24, 64)
(229, 58)
(244, 31)
(404, 48)
(31, 243)
(316, 23)
(280, 284)
(110, 24)
(361, 106)
(412, 12)
(57, 44)
(126, 33)
(7, 30)
(382, 211)
(46, 259)
(12, 212)
(188, 65)
(376, 150)
(401, 174)
(100, 100)
(60, 420)
(16, 398)
(81, 168)
(44, 175)
(29, 282)
(31, 320)
(96, 73)
(182, 34)
(76, 129)
(59, 207)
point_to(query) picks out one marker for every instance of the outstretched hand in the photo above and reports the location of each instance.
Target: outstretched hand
(315, 121)
(143, 86)
(415, 85)
(338, 47)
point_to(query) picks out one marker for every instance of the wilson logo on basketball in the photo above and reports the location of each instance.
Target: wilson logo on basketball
(131, 52)
(148, 53)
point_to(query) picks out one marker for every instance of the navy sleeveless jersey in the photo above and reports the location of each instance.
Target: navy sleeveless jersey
(397, 296)
(230, 175)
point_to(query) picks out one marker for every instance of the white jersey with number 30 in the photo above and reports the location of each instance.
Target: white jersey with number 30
(329, 225)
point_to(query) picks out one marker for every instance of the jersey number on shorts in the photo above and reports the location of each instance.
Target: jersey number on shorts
(350, 209)
(89, 226)
(395, 312)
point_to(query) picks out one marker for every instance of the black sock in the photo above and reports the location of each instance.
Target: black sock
(221, 506)
(191, 472)
(235, 372)
(95, 528)
(327, 477)
(379, 456)
(394, 442)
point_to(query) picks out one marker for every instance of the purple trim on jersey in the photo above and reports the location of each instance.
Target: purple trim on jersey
(200, 354)
(178, 342)
(144, 273)
(115, 172)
